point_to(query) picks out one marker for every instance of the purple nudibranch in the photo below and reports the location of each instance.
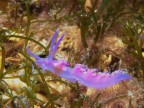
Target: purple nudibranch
(81, 73)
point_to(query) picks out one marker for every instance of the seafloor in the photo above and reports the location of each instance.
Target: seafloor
(102, 34)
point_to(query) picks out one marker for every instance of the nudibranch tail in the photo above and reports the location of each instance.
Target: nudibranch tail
(120, 75)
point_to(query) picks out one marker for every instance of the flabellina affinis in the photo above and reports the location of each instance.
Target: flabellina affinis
(81, 73)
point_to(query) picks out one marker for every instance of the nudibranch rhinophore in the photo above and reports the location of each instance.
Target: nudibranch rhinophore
(81, 73)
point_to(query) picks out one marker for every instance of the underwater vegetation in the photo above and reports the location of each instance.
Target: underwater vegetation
(81, 73)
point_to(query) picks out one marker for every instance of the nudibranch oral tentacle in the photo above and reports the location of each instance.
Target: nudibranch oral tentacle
(89, 77)
(30, 53)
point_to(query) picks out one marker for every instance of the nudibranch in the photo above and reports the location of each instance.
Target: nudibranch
(89, 77)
